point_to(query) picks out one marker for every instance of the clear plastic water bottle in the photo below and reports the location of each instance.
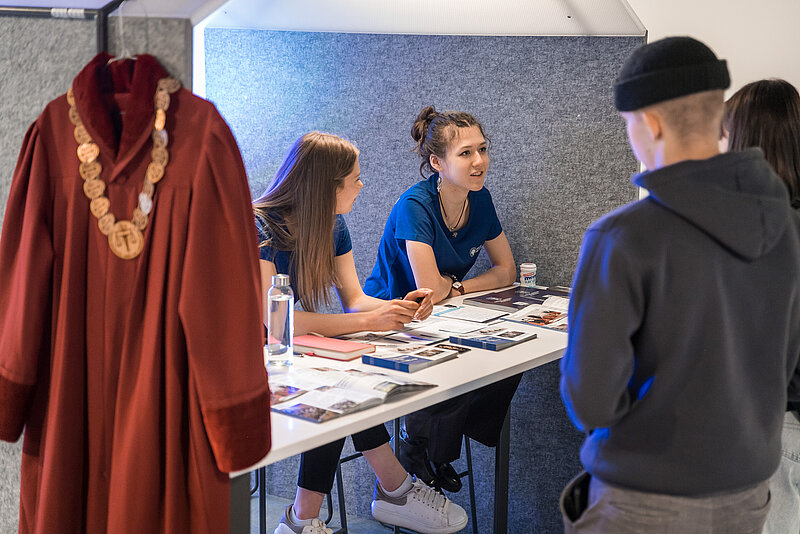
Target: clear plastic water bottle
(280, 322)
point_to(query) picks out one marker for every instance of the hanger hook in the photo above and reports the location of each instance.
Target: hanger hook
(124, 53)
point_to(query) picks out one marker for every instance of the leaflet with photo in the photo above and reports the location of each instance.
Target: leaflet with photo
(279, 393)
(552, 313)
(417, 335)
(458, 348)
(467, 313)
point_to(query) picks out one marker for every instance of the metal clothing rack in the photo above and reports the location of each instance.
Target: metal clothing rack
(100, 16)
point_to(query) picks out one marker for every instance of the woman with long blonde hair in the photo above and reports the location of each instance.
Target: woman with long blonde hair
(302, 233)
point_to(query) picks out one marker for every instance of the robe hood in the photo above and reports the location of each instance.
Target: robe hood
(735, 198)
(94, 88)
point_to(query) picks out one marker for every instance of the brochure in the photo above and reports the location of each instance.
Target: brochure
(494, 338)
(319, 394)
(410, 357)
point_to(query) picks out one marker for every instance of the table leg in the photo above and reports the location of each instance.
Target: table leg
(262, 500)
(501, 457)
(240, 504)
(396, 529)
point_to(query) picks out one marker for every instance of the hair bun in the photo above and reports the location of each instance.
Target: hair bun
(420, 128)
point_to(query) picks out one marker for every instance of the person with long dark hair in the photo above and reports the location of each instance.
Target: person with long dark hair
(766, 114)
(302, 233)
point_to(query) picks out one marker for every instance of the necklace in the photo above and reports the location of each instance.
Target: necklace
(125, 238)
(463, 209)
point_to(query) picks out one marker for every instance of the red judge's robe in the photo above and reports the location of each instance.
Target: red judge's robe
(138, 382)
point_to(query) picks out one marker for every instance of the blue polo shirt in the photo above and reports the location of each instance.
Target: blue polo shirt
(282, 259)
(416, 216)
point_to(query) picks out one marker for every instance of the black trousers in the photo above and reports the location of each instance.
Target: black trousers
(478, 415)
(318, 466)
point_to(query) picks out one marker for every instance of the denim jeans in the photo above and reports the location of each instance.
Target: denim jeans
(611, 509)
(784, 513)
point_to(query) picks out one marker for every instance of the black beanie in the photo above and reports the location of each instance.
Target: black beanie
(666, 69)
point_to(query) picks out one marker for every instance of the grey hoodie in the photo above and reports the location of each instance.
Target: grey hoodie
(685, 329)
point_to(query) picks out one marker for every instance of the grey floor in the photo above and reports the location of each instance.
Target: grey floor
(276, 506)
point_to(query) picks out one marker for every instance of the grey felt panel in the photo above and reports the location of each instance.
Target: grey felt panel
(559, 161)
(38, 60)
(559, 155)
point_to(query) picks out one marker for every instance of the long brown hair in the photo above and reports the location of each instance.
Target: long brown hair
(433, 131)
(298, 211)
(766, 114)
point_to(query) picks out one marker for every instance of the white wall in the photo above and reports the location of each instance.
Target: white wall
(759, 38)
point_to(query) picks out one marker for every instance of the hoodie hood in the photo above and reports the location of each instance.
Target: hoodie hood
(735, 197)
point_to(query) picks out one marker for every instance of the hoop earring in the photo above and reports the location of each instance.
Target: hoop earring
(439, 184)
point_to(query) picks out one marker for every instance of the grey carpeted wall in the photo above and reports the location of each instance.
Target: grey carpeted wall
(38, 60)
(559, 160)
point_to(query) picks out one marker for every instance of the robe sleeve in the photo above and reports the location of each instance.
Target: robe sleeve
(26, 261)
(220, 305)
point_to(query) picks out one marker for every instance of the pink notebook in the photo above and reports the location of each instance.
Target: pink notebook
(328, 347)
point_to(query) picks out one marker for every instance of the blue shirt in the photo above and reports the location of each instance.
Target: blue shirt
(416, 216)
(282, 259)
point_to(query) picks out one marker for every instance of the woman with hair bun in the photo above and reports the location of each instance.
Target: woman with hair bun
(432, 239)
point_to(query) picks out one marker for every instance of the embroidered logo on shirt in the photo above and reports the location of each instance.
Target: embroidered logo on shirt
(474, 250)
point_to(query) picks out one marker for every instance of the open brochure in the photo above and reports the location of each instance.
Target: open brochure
(552, 313)
(319, 394)
(434, 329)
(516, 298)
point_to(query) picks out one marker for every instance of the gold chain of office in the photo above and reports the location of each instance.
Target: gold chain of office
(125, 238)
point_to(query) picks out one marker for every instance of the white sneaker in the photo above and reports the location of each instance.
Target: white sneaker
(421, 508)
(287, 526)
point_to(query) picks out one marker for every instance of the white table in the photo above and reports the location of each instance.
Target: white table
(470, 371)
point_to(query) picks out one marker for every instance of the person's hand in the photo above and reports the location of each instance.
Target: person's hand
(392, 315)
(424, 297)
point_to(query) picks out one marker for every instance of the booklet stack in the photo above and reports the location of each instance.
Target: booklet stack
(411, 357)
(320, 394)
(493, 338)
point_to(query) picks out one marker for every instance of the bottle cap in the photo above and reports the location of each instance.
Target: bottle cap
(280, 280)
